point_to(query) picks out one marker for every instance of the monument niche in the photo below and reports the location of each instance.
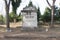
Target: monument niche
(29, 15)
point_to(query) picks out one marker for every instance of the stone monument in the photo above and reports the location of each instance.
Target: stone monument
(29, 15)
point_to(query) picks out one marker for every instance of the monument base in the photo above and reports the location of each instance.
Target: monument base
(28, 28)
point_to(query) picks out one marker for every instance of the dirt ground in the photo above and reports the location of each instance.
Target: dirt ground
(31, 35)
(37, 34)
(13, 25)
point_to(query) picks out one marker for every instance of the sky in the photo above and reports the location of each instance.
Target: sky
(41, 3)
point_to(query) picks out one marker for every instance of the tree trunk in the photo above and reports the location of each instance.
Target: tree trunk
(14, 20)
(7, 14)
(52, 17)
(52, 12)
(14, 11)
(7, 20)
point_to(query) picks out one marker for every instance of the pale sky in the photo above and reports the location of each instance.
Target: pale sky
(41, 3)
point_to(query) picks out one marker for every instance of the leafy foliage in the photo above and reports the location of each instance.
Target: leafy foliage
(59, 14)
(2, 19)
(15, 5)
(18, 17)
(56, 14)
(30, 4)
(47, 15)
(38, 14)
(11, 16)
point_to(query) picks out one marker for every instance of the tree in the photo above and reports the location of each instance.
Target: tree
(19, 17)
(47, 15)
(59, 13)
(52, 10)
(56, 14)
(1, 19)
(15, 5)
(38, 15)
(30, 3)
(11, 16)
(7, 5)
